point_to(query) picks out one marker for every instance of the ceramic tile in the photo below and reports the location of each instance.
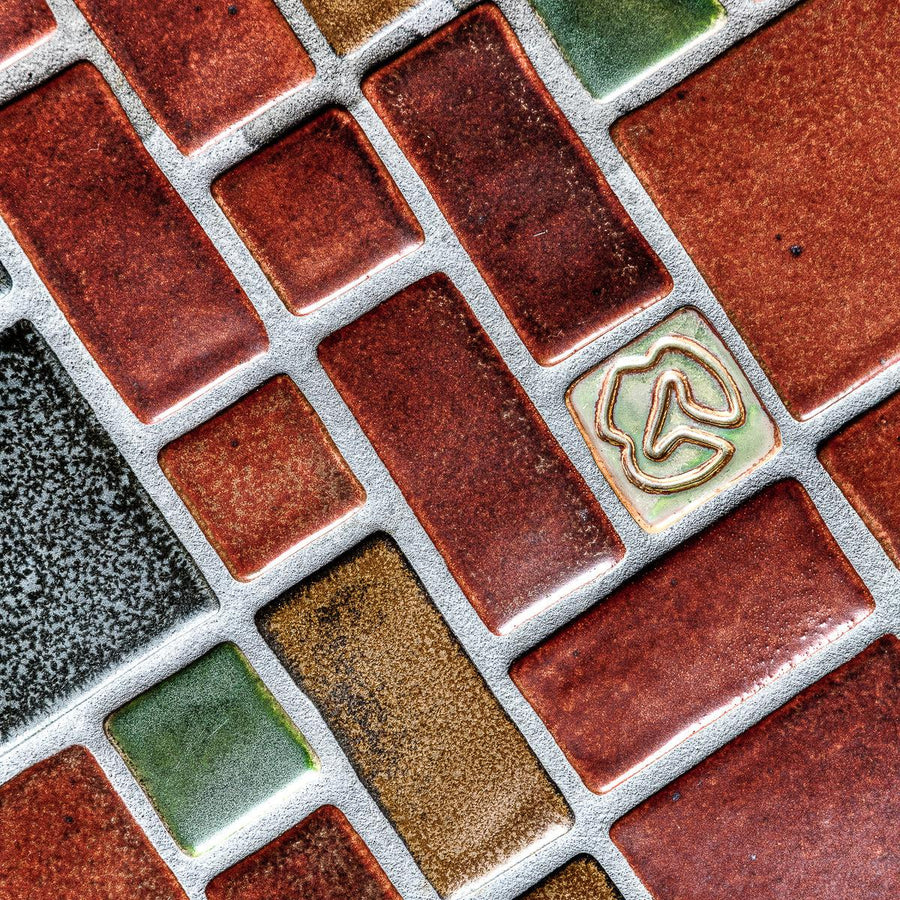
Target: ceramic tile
(348, 24)
(23, 24)
(779, 205)
(802, 806)
(349, 221)
(517, 185)
(92, 574)
(322, 858)
(364, 642)
(98, 220)
(203, 67)
(514, 521)
(672, 420)
(66, 835)
(581, 879)
(211, 747)
(262, 478)
(693, 636)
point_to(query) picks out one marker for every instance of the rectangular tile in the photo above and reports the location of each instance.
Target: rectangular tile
(348, 24)
(581, 879)
(514, 520)
(23, 25)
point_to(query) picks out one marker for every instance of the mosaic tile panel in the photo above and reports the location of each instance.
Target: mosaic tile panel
(581, 879)
(23, 25)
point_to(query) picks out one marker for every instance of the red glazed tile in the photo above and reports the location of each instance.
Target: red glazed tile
(517, 185)
(262, 478)
(135, 275)
(201, 67)
(23, 23)
(514, 521)
(693, 636)
(322, 858)
(66, 835)
(348, 221)
(803, 806)
(776, 168)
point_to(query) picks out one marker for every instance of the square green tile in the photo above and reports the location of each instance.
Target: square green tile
(610, 43)
(211, 747)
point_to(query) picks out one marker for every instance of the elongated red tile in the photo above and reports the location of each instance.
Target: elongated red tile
(693, 636)
(349, 221)
(801, 807)
(23, 24)
(779, 203)
(201, 67)
(517, 185)
(134, 273)
(515, 522)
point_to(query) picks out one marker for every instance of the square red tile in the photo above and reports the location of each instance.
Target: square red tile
(23, 24)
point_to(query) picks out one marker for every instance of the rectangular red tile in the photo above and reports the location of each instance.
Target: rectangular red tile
(348, 221)
(201, 67)
(693, 636)
(515, 522)
(23, 24)
(803, 806)
(133, 271)
(527, 201)
(776, 168)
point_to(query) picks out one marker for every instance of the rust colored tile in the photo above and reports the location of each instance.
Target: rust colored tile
(201, 67)
(779, 204)
(801, 807)
(427, 737)
(262, 478)
(348, 221)
(133, 271)
(693, 636)
(23, 24)
(322, 858)
(513, 519)
(347, 24)
(581, 879)
(66, 835)
(517, 185)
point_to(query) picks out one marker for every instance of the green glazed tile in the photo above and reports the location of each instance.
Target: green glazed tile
(210, 746)
(610, 43)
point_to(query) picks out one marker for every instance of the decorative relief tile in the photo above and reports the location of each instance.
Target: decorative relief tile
(23, 25)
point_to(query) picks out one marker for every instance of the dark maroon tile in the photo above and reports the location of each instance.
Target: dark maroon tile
(23, 23)
(804, 806)
(348, 221)
(693, 636)
(133, 271)
(201, 67)
(523, 194)
(514, 521)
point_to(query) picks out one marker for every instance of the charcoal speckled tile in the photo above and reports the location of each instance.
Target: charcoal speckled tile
(348, 24)
(23, 25)
(581, 879)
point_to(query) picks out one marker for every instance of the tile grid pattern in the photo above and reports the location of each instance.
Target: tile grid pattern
(293, 351)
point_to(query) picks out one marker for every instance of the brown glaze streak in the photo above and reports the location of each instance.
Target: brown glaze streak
(803, 806)
(697, 633)
(581, 879)
(529, 204)
(515, 522)
(133, 271)
(23, 23)
(347, 24)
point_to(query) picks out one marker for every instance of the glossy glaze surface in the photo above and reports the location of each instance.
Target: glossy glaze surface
(23, 24)
(348, 24)
(581, 879)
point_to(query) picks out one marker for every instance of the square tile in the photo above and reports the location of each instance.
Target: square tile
(23, 25)
(581, 879)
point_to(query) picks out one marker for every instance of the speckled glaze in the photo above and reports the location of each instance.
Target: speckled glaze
(321, 858)
(211, 747)
(780, 205)
(801, 807)
(91, 572)
(201, 67)
(348, 24)
(693, 636)
(516, 184)
(515, 522)
(581, 879)
(66, 835)
(23, 23)
(318, 210)
(459, 783)
(98, 220)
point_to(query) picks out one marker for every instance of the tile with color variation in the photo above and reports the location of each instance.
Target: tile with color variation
(693, 636)
(672, 420)
(514, 520)
(802, 806)
(322, 858)
(348, 24)
(780, 206)
(66, 835)
(318, 210)
(459, 783)
(91, 573)
(201, 67)
(517, 185)
(130, 267)
(262, 478)
(581, 879)
(23, 25)
(211, 747)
